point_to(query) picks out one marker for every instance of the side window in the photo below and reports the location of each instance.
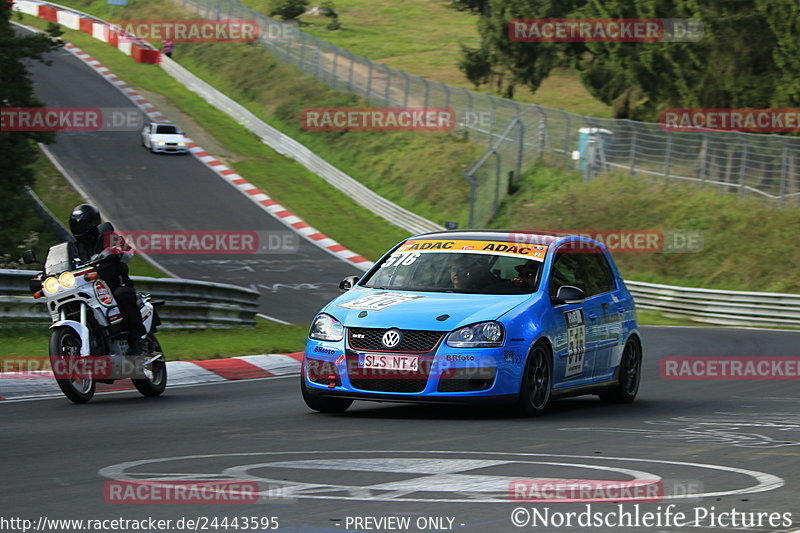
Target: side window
(598, 274)
(566, 271)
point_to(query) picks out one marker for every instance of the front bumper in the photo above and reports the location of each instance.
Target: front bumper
(170, 149)
(445, 375)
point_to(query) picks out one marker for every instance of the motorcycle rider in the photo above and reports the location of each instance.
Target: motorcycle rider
(113, 254)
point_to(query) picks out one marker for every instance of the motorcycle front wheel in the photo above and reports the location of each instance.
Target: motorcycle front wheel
(156, 372)
(65, 350)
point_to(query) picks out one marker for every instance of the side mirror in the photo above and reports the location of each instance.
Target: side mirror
(28, 257)
(348, 283)
(567, 294)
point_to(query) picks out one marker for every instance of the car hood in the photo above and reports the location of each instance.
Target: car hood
(419, 310)
(167, 137)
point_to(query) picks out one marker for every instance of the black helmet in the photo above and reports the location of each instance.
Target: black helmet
(83, 220)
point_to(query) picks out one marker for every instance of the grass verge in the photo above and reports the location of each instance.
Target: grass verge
(180, 345)
(747, 243)
(424, 38)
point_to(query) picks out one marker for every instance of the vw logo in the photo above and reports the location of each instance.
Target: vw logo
(391, 338)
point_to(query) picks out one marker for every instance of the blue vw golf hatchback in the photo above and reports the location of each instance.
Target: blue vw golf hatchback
(477, 316)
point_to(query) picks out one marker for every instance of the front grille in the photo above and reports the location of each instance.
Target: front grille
(390, 385)
(414, 341)
(385, 380)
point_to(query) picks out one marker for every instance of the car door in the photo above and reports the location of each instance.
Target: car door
(604, 311)
(574, 345)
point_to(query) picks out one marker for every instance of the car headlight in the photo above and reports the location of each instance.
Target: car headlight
(326, 328)
(66, 279)
(481, 335)
(181, 144)
(161, 143)
(50, 285)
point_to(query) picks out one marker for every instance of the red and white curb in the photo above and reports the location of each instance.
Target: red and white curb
(40, 383)
(249, 190)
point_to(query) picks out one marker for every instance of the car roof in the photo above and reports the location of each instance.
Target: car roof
(515, 236)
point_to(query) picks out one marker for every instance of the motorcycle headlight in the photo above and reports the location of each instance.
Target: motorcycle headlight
(66, 279)
(326, 328)
(50, 285)
(481, 335)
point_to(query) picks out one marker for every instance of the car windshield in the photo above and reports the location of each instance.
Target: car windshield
(167, 129)
(480, 267)
(60, 258)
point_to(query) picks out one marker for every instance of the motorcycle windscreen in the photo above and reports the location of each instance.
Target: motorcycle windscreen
(60, 258)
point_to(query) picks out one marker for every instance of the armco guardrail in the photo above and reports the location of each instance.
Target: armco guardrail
(189, 303)
(718, 306)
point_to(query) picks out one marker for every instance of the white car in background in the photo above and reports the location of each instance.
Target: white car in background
(164, 137)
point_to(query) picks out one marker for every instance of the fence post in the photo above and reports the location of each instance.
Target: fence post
(446, 95)
(303, 46)
(668, 155)
(369, 80)
(388, 86)
(520, 150)
(542, 130)
(497, 173)
(492, 134)
(567, 130)
(472, 190)
(704, 161)
(743, 165)
(333, 67)
(350, 73)
(784, 174)
(407, 88)
(633, 152)
(468, 116)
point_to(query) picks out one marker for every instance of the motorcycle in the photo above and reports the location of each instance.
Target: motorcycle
(88, 342)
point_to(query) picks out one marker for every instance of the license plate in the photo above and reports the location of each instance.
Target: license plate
(388, 362)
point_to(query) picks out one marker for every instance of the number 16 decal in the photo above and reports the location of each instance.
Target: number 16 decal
(576, 342)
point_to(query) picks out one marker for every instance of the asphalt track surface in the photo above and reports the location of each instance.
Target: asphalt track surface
(139, 190)
(380, 460)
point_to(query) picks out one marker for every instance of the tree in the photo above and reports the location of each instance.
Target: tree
(288, 9)
(748, 57)
(18, 147)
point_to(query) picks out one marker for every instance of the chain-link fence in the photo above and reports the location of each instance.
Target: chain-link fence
(516, 135)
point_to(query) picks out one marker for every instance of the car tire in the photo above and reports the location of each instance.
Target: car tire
(323, 405)
(629, 375)
(535, 390)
